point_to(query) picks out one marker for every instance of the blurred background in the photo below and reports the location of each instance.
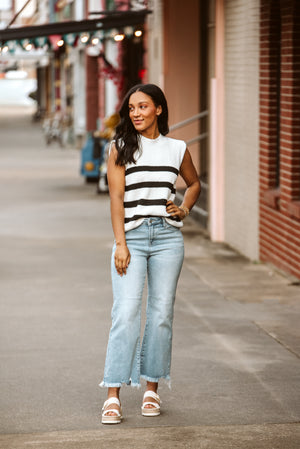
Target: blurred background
(230, 70)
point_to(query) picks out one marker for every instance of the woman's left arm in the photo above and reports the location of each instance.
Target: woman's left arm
(189, 174)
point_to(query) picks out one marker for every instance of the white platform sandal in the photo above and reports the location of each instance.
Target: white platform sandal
(114, 419)
(155, 409)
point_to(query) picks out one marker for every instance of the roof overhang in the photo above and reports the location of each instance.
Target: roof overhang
(109, 20)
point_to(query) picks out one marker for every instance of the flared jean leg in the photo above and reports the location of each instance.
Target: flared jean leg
(164, 266)
(156, 250)
(122, 363)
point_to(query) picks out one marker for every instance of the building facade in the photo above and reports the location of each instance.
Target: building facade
(241, 125)
(279, 214)
(231, 73)
(239, 59)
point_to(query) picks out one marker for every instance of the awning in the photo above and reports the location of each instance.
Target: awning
(109, 20)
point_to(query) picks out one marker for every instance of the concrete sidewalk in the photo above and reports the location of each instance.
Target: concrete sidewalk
(236, 368)
(268, 436)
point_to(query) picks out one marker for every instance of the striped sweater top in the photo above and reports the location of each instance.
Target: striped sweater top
(150, 182)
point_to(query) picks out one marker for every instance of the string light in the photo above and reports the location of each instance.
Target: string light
(119, 37)
(84, 38)
(71, 39)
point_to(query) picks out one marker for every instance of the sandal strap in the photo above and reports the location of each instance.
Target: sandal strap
(110, 401)
(155, 405)
(113, 410)
(152, 394)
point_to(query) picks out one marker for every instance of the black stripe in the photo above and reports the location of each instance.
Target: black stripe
(143, 202)
(151, 168)
(140, 185)
(136, 217)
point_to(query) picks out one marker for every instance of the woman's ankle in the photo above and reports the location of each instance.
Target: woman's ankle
(152, 386)
(113, 392)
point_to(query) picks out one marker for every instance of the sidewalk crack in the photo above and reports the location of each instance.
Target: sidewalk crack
(277, 339)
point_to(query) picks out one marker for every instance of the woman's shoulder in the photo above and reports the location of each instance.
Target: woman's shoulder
(173, 140)
(174, 143)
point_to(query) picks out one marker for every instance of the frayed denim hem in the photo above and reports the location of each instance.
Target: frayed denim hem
(167, 379)
(104, 384)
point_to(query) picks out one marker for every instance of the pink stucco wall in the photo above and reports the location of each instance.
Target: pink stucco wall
(181, 67)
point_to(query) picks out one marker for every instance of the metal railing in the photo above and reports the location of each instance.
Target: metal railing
(203, 213)
(188, 121)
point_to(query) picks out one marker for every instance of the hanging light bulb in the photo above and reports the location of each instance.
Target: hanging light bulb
(26, 44)
(138, 33)
(84, 38)
(4, 49)
(95, 40)
(60, 43)
(119, 37)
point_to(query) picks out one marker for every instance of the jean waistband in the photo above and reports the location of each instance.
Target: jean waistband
(150, 221)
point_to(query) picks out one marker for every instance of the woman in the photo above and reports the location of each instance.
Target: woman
(142, 170)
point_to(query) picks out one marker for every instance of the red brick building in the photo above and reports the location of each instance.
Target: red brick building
(280, 134)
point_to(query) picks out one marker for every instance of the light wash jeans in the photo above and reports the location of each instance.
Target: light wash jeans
(157, 250)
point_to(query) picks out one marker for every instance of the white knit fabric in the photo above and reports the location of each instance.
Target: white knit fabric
(150, 183)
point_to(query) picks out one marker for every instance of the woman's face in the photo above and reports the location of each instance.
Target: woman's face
(143, 113)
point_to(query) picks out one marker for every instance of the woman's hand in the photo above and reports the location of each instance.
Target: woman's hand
(122, 258)
(174, 210)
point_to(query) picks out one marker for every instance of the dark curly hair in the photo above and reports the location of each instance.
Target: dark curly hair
(126, 137)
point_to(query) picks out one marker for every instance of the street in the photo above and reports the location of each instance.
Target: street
(236, 347)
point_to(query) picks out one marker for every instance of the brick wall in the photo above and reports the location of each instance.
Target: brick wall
(280, 134)
(241, 194)
(92, 93)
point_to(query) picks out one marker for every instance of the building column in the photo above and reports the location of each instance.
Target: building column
(92, 95)
(217, 158)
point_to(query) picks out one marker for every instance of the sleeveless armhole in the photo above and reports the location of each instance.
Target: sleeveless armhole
(110, 146)
(183, 151)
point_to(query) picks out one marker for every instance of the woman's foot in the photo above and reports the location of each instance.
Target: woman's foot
(112, 411)
(151, 401)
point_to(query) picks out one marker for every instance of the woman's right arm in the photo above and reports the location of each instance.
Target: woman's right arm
(116, 183)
